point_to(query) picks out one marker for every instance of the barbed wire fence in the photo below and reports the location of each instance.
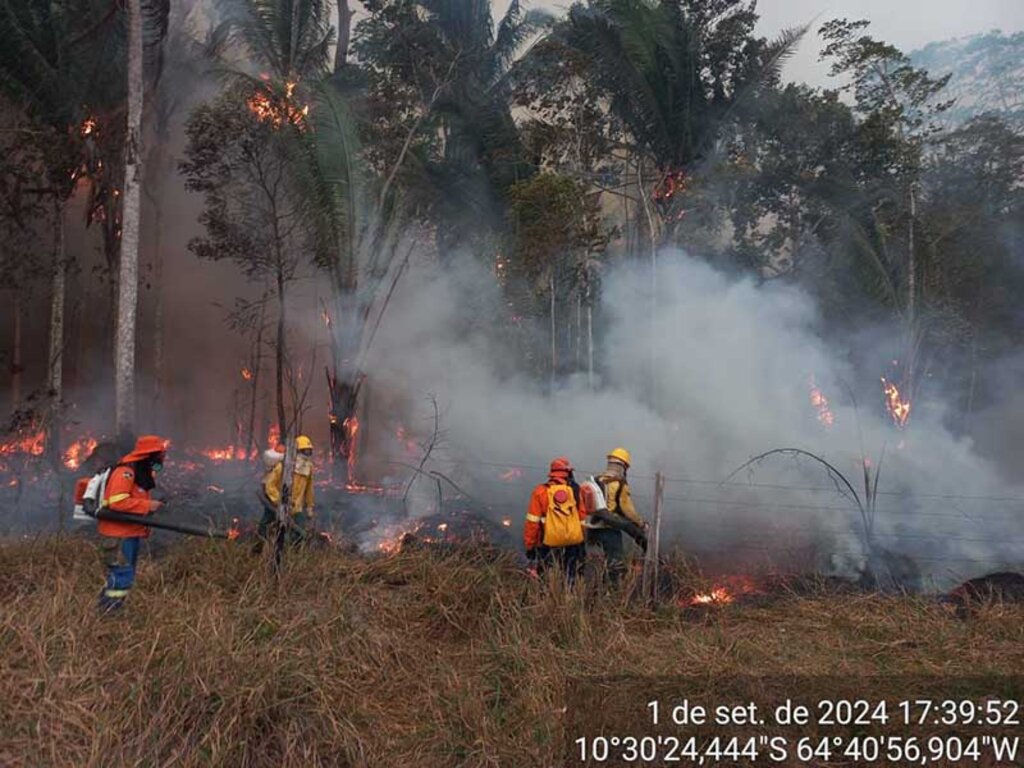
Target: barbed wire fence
(690, 504)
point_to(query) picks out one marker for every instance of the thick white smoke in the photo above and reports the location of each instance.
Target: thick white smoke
(733, 364)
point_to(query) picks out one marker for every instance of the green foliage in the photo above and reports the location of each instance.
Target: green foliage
(440, 68)
(672, 69)
(286, 40)
(547, 214)
(241, 164)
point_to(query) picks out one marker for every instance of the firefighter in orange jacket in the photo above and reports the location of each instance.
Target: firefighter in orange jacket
(553, 533)
(128, 491)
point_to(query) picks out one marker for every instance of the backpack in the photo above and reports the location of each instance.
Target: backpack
(90, 494)
(562, 525)
(603, 482)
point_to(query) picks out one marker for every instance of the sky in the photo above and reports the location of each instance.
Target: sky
(907, 24)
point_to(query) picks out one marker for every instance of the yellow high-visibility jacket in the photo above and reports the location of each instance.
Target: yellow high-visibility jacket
(301, 490)
(618, 500)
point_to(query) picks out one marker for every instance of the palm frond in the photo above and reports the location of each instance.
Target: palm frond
(779, 50)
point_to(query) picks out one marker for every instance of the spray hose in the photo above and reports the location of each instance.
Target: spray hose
(167, 525)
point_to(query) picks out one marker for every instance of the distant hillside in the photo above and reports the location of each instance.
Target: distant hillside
(987, 74)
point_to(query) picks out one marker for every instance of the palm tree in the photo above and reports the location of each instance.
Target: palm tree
(674, 72)
(459, 61)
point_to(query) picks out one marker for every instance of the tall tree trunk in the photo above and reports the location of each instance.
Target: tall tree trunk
(554, 349)
(16, 363)
(55, 375)
(911, 262)
(158, 315)
(344, 35)
(55, 380)
(282, 422)
(257, 364)
(590, 334)
(128, 272)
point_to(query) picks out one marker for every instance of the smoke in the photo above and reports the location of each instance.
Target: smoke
(732, 368)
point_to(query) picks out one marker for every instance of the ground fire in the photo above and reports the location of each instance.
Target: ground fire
(444, 383)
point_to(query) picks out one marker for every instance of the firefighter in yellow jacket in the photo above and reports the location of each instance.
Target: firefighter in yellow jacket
(606, 535)
(300, 494)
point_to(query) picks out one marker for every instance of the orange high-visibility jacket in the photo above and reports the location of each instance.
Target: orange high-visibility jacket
(123, 495)
(533, 531)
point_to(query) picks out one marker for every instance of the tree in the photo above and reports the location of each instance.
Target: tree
(128, 275)
(54, 65)
(450, 64)
(549, 271)
(673, 72)
(898, 105)
(238, 156)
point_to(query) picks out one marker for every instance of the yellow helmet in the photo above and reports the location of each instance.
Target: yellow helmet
(620, 454)
(303, 443)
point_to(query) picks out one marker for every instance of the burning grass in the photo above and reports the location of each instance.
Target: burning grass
(426, 657)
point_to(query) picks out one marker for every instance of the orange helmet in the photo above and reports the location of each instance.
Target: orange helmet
(561, 466)
(147, 445)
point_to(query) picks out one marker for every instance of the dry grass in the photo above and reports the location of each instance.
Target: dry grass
(417, 659)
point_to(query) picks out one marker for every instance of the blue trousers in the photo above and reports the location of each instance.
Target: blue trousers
(119, 557)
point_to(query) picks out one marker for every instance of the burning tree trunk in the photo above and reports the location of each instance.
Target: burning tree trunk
(128, 273)
(343, 386)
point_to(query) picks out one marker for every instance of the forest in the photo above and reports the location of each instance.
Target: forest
(319, 320)
(417, 230)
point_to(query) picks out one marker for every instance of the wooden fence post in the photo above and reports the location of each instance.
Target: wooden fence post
(650, 580)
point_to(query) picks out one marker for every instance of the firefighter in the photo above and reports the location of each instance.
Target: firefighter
(553, 534)
(300, 493)
(128, 491)
(604, 530)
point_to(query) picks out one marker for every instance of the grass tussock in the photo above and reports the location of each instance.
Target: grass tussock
(420, 658)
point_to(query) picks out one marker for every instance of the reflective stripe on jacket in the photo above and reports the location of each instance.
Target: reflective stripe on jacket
(123, 495)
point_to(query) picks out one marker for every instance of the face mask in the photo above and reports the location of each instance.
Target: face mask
(157, 467)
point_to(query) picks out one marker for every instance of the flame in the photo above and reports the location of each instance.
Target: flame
(88, 127)
(326, 318)
(671, 183)
(277, 111)
(234, 531)
(507, 522)
(246, 374)
(231, 453)
(78, 451)
(274, 436)
(33, 445)
(895, 404)
(512, 474)
(820, 403)
(215, 488)
(351, 427)
(724, 593)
